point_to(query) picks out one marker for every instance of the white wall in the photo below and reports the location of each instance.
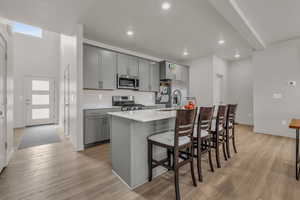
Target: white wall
(34, 56)
(219, 69)
(68, 52)
(5, 30)
(203, 73)
(240, 89)
(201, 80)
(104, 97)
(273, 68)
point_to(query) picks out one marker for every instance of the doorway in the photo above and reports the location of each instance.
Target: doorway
(219, 91)
(40, 101)
(3, 101)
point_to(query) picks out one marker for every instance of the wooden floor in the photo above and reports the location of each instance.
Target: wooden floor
(262, 170)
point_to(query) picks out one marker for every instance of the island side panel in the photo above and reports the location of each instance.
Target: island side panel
(120, 147)
(139, 149)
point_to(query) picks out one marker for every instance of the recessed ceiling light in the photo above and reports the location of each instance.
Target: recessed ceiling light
(130, 33)
(237, 55)
(185, 53)
(166, 6)
(221, 42)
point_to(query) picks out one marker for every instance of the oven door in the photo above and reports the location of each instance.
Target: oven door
(126, 83)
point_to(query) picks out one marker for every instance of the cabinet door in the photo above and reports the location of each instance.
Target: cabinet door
(144, 75)
(154, 77)
(171, 71)
(178, 73)
(91, 67)
(185, 74)
(108, 69)
(133, 68)
(106, 129)
(93, 129)
(122, 64)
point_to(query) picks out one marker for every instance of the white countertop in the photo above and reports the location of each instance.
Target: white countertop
(97, 106)
(145, 115)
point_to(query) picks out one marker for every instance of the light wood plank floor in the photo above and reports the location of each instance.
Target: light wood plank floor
(262, 170)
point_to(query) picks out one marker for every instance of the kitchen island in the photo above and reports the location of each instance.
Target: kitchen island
(129, 132)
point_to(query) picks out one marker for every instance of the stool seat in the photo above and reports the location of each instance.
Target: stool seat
(167, 138)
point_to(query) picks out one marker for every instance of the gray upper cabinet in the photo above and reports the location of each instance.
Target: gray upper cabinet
(148, 75)
(144, 71)
(127, 65)
(173, 72)
(133, 66)
(108, 69)
(154, 76)
(123, 63)
(91, 69)
(99, 68)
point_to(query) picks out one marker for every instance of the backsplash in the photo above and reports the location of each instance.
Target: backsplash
(104, 97)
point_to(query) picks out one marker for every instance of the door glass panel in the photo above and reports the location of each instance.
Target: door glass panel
(38, 85)
(42, 113)
(40, 99)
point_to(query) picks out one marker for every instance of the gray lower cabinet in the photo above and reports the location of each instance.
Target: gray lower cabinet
(127, 65)
(97, 126)
(148, 76)
(99, 68)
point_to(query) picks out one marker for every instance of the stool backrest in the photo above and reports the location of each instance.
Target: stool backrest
(204, 119)
(221, 117)
(231, 114)
(184, 124)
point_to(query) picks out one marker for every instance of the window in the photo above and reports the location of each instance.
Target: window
(39, 85)
(26, 29)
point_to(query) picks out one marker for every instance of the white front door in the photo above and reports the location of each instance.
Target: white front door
(3, 102)
(40, 101)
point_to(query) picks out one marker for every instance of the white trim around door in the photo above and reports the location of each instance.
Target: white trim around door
(3, 102)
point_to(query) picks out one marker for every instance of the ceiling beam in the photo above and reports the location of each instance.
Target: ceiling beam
(231, 11)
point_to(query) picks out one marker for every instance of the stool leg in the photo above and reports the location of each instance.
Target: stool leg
(224, 150)
(192, 166)
(297, 154)
(233, 139)
(150, 146)
(169, 157)
(218, 155)
(199, 167)
(210, 159)
(177, 191)
(227, 143)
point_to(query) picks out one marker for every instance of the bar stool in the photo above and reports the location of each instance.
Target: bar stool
(230, 121)
(202, 137)
(174, 142)
(218, 132)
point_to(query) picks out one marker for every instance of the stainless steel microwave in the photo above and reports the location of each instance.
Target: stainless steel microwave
(127, 82)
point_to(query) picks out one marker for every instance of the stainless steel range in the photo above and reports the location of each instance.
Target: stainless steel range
(127, 103)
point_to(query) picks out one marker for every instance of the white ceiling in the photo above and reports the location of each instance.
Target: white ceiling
(194, 25)
(274, 20)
